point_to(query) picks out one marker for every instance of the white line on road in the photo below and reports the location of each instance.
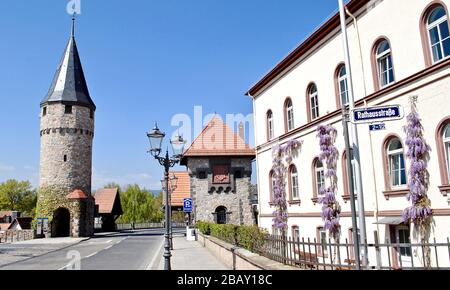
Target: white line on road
(107, 248)
(62, 268)
(109, 241)
(157, 254)
(93, 254)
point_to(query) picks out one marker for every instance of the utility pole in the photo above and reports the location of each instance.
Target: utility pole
(354, 135)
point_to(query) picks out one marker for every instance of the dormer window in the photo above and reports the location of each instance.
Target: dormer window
(68, 109)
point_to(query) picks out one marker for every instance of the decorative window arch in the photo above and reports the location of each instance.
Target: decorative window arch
(294, 193)
(434, 27)
(312, 102)
(394, 166)
(270, 125)
(341, 85)
(289, 115)
(443, 149)
(382, 63)
(271, 186)
(318, 174)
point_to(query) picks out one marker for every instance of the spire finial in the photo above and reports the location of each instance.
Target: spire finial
(73, 24)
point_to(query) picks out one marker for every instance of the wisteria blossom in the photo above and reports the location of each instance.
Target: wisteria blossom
(418, 155)
(282, 158)
(420, 212)
(329, 156)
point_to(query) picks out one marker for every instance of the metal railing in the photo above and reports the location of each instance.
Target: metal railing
(328, 255)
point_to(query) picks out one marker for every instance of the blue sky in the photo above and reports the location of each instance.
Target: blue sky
(144, 61)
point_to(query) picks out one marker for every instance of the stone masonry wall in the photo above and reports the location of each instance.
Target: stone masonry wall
(67, 135)
(237, 202)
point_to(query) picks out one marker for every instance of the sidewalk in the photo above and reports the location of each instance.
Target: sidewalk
(188, 255)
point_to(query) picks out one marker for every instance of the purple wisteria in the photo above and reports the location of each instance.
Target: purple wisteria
(282, 158)
(418, 154)
(329, 156)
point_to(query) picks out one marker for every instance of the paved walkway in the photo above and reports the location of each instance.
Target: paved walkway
(191, 255)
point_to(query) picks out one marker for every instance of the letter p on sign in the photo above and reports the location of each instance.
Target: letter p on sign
(74, 7)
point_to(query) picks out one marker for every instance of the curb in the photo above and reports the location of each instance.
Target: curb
(52, 251)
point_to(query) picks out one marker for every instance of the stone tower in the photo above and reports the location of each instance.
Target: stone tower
(219, 164)
(66, 132)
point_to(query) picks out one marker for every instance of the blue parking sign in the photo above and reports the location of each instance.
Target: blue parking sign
(187, 205)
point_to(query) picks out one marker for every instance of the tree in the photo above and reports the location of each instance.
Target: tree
(420, 212)
(140, 205)
(18, 196)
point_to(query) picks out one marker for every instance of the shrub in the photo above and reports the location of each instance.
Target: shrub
(250, 237)
(204, 227)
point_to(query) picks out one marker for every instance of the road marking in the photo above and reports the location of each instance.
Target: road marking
(121, 240)
(108, 241)
(157, 254)
(62, 268)
(93, 254)
(107, 248)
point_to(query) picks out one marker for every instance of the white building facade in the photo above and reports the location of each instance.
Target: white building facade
(398, 49)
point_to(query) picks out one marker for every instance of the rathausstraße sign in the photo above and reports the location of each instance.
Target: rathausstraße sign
(377, 114)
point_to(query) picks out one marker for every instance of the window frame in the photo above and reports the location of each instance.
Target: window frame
(338, 79)
(294, 184)
(444, 162)
(384, 64)
(315, 171)
(392, 156)
(390, 190)
(309, 96)
(425, 35)
(289, 115)
(269, 125)
(430, 27)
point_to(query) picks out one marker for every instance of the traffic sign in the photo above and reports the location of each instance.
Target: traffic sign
(187, 205)
(377, 127)
(377, 114)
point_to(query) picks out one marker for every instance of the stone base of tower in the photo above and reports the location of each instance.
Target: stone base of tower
(70, 216)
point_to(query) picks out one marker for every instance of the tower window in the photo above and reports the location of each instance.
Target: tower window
(91, 114)
(44, 111)
(65, 158)
(68, 109)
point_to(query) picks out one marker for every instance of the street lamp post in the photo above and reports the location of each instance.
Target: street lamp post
(173, 184)
(156, 137)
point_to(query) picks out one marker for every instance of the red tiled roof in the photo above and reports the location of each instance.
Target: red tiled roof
(218, 139)
(77, 194)
(105, 199)
(182, 190)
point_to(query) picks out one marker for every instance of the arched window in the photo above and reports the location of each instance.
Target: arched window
(396, 163)
(221, 215)
(313, 102)
(385, 69)
(342, 85)
(319, 177)
(438, 33)
(293, 183)
(446, 139)
(271, 185)
(289, 115)
(443, 150)
(270, 131)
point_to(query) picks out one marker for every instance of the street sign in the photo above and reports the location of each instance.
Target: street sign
(187, 205)
(377, 114)
(377, 127)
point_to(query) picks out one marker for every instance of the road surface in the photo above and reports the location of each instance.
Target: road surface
(128, 250)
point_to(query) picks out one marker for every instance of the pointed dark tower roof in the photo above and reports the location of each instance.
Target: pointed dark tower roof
(69, 85)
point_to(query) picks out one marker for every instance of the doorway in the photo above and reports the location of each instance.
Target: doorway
(61, 223)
